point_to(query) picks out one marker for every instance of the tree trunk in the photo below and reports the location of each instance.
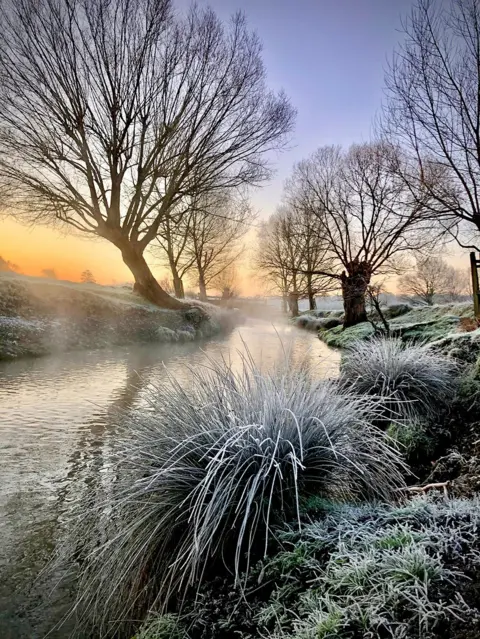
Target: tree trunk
(354, 288)
(312, 303)
(293, 303)
(202, 287)
(178, 286)
(177, 280)
(145, 283)
(284, 303)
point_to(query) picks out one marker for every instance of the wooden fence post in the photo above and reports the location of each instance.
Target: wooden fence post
(476, 300)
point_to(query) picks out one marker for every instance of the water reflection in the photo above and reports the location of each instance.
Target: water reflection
(58, 416)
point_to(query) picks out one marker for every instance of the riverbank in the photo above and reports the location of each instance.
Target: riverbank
(423, 324)
(40, 317)
(408, 567)
(237, 515)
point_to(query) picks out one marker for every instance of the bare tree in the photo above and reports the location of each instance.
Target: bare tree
(8, 267)
(433, 277)
(49, 273)
(291, 248)
(111, 112)
(375, 291)
(227, 283)
(87, 277)
(312, 247)
(461, 284)
(217, 224)
(167, 285)
(272, 258)
(172, 240)
(433, 107)
(367, 215)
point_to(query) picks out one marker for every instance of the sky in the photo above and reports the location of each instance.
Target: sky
(328, 55)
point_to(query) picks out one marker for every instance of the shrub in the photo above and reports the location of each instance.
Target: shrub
(417, 443)
(414, 381)
(205, 476)
(397, 310)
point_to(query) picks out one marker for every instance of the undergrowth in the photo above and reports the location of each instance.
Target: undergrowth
(356, 572)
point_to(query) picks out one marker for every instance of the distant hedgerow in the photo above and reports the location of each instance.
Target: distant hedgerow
(207, 474)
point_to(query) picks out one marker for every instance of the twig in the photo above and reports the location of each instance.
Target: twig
(424, 489)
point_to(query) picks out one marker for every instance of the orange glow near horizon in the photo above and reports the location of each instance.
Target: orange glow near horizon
(38, 248)
(34, 249)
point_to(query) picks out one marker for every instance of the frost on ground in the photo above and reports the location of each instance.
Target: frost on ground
(39, 316)
(405, 572)
(423, 324)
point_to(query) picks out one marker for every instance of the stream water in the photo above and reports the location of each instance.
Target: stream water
(58, 416)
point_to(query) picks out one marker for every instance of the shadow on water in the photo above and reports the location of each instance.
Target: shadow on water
(58, 418)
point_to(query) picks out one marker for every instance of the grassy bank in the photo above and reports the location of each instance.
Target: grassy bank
(422, 324)
(278, 506)
(40, 316)
(409, 569)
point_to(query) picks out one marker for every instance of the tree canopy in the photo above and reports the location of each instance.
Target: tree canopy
(112, 112)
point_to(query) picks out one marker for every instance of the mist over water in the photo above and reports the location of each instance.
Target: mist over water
(58, 417)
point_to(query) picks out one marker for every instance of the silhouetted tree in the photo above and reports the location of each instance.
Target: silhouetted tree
(87, 277)
(272, 258)
(291, 248)
(49, 273)
(433, 107)
(433, 277)
(172, 240)
(8, 267)
(167, 285)
(367, 214)
(112, 112)
(375, 291)
(227, 283)
(217, 224)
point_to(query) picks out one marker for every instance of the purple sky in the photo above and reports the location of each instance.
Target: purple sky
(329, 56)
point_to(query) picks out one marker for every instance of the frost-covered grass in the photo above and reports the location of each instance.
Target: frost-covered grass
(379, 573)
(415, 382)
(206, 476)
(422, 324)
(40, 316)
(339, 337)
(356, 572)
(437, 311)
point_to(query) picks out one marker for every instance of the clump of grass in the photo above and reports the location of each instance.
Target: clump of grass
(205, 476)
(414, 381)
(162, 627)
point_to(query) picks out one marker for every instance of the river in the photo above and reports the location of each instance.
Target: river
(58, 416)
